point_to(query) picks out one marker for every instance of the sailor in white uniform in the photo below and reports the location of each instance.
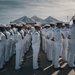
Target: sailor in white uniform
(2, 46)
(72, 45)
(57, 45)
(18, 48)
(65, 34)
(7, 47)
(51, 41)
(36, 45)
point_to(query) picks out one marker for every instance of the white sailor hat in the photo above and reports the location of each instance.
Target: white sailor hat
(53, 23)
(37, 24)
(12, 23)
(19, 25)
(59, 23)
(8, 25)
(66, 23)
(47, 25)
(3, 25)
(28, 25)
(23, 23)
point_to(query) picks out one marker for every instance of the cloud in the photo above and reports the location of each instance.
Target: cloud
(13, 9)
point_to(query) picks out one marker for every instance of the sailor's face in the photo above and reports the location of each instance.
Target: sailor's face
(38, 28)
(59, 26)
(67, 26)
(53, 26)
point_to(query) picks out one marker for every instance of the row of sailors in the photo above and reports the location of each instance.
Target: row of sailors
(57, 40)
(14, 39)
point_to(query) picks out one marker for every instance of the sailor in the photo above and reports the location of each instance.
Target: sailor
(44, 37)
(72, 45)
(18, 48)
(2, 46)
(23, 34)
(49, 44)
(13, 26)
(36, 45)
(52, 28)
(65, 34)
(50, 41)
(29, 36)
(57, 45)
(7, 47)
(12, 40)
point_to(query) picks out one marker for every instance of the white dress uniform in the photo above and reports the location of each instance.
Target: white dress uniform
(43, 39)
(49, 45)
(44, 34)
(12, 42)
(35, 47)
(57, 47)
(7, 47)
(14, 39)
(2, 49)
(65, 43)
(26, 41)
(18, 50)
(23, 46)
(71, 46)
(29, 33)
(61, 42)
(27, 38)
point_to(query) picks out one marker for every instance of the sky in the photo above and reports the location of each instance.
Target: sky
(13, 9)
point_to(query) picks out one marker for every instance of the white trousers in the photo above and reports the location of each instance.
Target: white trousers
(35, 56)
(71, 52)
(57, 48)
(65, 50)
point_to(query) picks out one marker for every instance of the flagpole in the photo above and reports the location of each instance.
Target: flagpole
(67, 18)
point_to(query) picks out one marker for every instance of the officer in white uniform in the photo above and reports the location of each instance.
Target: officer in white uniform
(12, 41)
(57, 45)
(29, 36)
(44, 37)
(49, 36)
(65, 34)
(2, 46)
(72, 45)
(36, 45)
(53, 26)
(50, 42)
(18, 48)
(7, 47)
(23, 34)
